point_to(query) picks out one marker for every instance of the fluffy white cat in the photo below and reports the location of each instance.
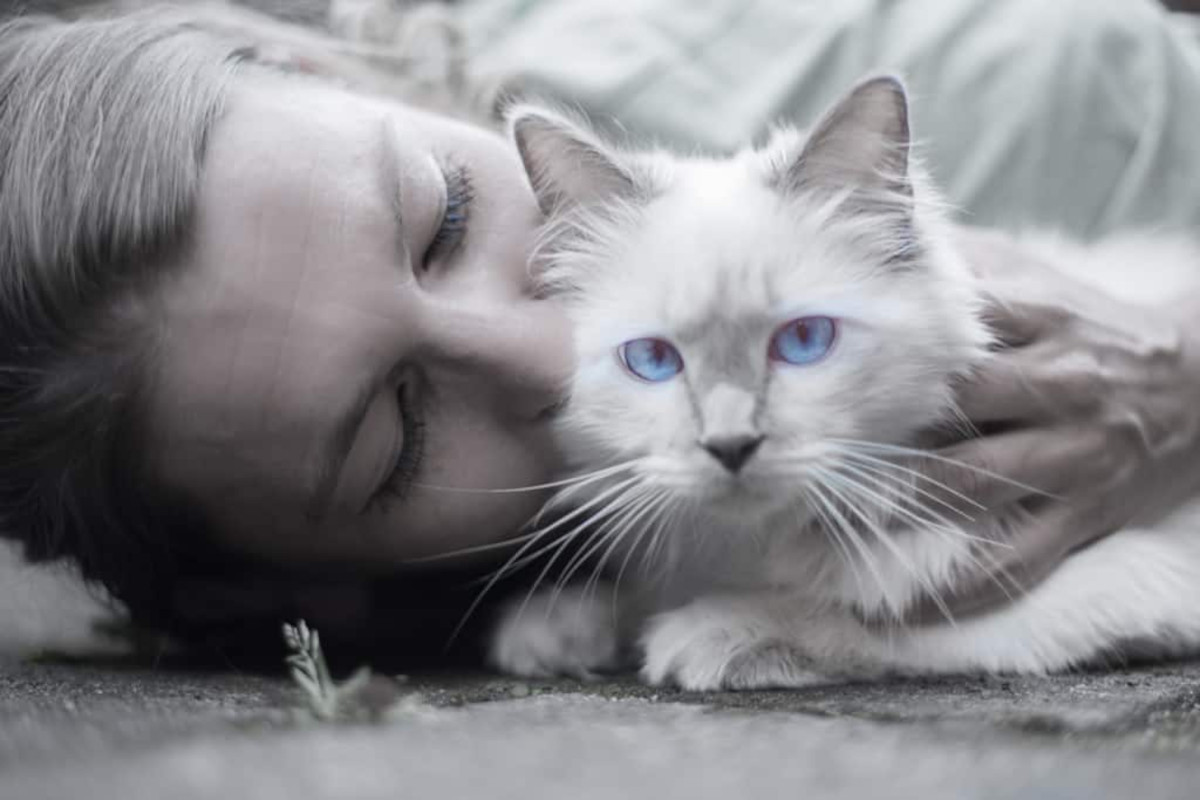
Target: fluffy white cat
(760, 340)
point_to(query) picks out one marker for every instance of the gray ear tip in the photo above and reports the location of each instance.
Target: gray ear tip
(527, 122)
(887, 82)
(530, 110)
(519, 116)
(890, 91)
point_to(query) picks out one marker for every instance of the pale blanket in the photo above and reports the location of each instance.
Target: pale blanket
(1082, 115)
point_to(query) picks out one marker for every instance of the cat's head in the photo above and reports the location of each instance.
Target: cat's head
(740, 322)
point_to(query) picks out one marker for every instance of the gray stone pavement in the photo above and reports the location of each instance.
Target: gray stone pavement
(94, 731)
(93, 727)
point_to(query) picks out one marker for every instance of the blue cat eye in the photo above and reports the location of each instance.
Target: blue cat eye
(651, 359)
(803, 341)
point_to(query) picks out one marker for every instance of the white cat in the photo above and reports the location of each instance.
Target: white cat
(758, 340)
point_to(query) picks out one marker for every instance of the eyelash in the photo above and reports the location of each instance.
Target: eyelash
(455, 216)
(408, 463)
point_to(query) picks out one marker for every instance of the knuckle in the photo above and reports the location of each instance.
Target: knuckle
(1056, 315)
(1119, 447)
(1125, 433)
(968, 477)
(1075, 384)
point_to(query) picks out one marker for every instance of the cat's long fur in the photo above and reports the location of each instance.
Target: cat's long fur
(764, 577)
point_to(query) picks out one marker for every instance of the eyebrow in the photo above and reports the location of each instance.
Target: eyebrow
(335, 449)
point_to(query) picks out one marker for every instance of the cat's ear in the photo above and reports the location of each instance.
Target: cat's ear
(861, 144)
(566, 163)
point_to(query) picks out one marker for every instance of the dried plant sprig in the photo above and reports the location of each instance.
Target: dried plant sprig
(325, 698)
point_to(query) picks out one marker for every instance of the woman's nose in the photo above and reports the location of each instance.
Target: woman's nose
(523, 348)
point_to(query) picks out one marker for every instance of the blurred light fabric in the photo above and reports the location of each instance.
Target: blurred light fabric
(1078, 115)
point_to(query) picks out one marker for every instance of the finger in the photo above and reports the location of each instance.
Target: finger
(1001, 390)
(1006, 467)
(1042, 383)
(1011, 320)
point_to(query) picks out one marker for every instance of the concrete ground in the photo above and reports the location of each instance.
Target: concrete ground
(90, 726)
(89, 730)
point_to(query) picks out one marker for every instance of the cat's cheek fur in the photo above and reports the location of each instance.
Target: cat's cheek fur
(614, 417)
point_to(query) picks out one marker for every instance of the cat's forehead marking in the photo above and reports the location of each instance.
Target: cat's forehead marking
(708, 233)
(723, 307)
(727, 352)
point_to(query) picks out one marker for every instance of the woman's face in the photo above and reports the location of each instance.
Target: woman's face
(356, 326)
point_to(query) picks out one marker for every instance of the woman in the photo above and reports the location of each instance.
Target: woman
(229, 291)
(258, 330)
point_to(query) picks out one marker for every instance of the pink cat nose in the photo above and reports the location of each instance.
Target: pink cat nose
(733, 451)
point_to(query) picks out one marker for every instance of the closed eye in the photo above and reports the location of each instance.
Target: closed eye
(406, 464)
(456, 214)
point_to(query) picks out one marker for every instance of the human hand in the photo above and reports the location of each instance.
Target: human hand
(1090, 414)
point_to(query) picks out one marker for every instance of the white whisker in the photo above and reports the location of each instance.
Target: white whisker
(613, 530)
(881, 473)
(509, 567)
(662, 500)
(941, 526)
(607, 494)
(616, 506)
(882, 463)
(466, 551)
(593, 582)
(675, 509)
(851, 536)
(882, 536)
(603, 516)
(916, 453)
(903, 505)
(961, 424)
(573, 481)
(836, 539)
(992, 566)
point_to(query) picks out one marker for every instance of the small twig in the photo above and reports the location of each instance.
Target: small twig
(363, 694)
(307, 665)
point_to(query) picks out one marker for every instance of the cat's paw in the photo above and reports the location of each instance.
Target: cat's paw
(710, 645)
(574, 633)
